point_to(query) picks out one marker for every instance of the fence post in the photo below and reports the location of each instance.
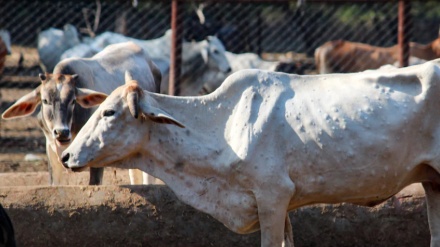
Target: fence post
(403, 32)
(176, 47)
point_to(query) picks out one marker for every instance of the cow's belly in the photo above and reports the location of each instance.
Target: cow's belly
(364, 178)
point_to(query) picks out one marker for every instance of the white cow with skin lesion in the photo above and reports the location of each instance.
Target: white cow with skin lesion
(266, 143)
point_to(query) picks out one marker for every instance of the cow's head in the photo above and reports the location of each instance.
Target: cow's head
(118, 129)
(213, 53)
(58, 96)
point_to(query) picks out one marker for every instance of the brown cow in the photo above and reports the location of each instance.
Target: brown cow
(341, 56)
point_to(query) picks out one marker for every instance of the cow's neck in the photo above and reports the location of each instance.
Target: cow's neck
(204, 120)
(201, 145)
(192, 60)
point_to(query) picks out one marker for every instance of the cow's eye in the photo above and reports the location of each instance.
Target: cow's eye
(216, 51)
(108, 113)
(45, 101)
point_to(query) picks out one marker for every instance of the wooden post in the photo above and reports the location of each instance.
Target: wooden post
(403, 32)
(176, 47)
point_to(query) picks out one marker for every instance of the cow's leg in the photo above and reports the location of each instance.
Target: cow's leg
(135, 176)
(55, 168)
(272, 214)
(288, 232)
(148, 179)
(96, 175)
(432, 191)
(272, 218)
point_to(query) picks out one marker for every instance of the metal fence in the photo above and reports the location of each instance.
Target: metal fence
(278, 30)
(276, 27)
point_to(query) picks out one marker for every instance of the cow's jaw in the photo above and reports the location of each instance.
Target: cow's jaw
(64, 143)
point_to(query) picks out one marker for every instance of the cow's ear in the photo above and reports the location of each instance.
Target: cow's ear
(88, 98)
(25, 106)
(158, 115)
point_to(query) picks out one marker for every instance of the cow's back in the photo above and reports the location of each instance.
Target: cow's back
(105, 71)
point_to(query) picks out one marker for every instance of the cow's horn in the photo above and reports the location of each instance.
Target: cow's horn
(128, 77)
(132, 100)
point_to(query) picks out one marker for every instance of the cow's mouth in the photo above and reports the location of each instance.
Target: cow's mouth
(63, 141)
(78, 169)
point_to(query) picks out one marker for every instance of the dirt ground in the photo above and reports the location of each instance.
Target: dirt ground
(21, 136)
(151, 215)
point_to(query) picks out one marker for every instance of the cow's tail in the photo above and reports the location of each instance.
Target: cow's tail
(322, 56)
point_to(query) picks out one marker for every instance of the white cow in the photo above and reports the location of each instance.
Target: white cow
(5, 37)
(68, 93)
(53, 42)
(157, 48)
(201, 59)
(265, 143)
(82, 50)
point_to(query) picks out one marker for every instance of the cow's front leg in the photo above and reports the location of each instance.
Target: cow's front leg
(136, 176)
(96, 175)
(432, 191)
(273, 216)
(55, 168)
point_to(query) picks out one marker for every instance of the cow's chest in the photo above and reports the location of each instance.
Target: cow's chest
(232, 205)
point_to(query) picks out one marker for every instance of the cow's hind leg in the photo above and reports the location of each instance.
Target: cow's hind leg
(96, 175)
(432, 191)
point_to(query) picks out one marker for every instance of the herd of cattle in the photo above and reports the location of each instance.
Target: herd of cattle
(261, 143)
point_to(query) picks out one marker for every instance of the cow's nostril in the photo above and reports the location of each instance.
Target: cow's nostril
(64, 159)
(61, 133)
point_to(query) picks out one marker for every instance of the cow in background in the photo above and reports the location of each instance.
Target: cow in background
(202, 59)
(5, 48)
(238, 62)
(341, 56)
(53, 42)
(68, 93)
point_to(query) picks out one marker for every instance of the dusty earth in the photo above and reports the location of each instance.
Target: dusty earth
(20, 136)
(151, 215)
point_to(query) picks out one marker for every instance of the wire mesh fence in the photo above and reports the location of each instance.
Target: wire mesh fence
(276, 35)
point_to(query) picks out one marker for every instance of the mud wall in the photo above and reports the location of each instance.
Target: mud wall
(152, 216)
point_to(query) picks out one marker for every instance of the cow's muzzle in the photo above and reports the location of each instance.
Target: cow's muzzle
(65, 157)
(62, 135)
